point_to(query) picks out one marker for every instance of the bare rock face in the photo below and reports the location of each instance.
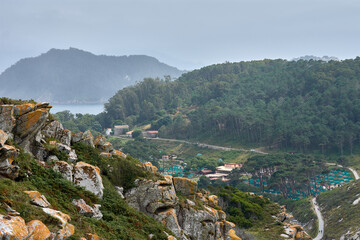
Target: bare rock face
(13, 228)
(65, 169)
(88, 176)
(8, 167)
(38, 199)
(30, 118)
(7, 119)
(37, 230)
(151, 197)
(187, 220)
(185, 186)
(56, 130)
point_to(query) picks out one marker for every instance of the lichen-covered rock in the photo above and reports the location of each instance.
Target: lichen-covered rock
(83, 208)
(213, 200)
(120, 191)
(199, 224)
(105, 154)
(38, 199)
(90, 236)
(85, 137)
(67, 229)
(149, 167)
(232, 235)
(8, 167)
(87, 210)
(3, 137)
(65, 169)
(7, 119)
(30, 118)
(150, 196)
(88, 176)
(185, 186)
(37, 230)
(12, 228)
(56, 130)
(102, 144)
(169, 219)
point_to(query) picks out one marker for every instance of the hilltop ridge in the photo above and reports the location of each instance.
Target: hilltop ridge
(77, 76)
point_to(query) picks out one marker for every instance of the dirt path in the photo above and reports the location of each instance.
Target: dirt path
(205, 145)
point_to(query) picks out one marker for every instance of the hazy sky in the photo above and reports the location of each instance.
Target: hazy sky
(187, 34)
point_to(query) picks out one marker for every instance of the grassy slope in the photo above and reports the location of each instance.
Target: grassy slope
(119, 221)
(340, 215)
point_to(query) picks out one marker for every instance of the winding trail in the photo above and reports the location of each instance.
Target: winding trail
(320, 220)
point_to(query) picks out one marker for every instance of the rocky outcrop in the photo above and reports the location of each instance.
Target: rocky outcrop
(102, 144)
(23, 123)
(88, 176)
(56, 130)
(85, 137)
(8, 166)
(186, 220)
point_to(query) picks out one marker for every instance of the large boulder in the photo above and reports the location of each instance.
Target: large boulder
(56, 130)
(65, 169)
(88, 176)
(185, 186)
(85, 137)
(151, 197)
(8, 167)
(13, 228)
(37, 230)
(102, 144)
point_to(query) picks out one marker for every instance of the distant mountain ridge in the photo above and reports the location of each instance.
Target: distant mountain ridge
(76, 76)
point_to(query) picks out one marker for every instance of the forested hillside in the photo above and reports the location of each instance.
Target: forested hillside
(76, 76)
(303, 105)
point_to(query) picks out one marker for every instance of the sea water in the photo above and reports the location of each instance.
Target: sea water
(78, 108)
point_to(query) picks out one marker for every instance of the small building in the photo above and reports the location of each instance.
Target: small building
(120, 129)
(165, 157)
(151, 134)
(108, 131)
(233, 165)
(223, 169)
(129, 134)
